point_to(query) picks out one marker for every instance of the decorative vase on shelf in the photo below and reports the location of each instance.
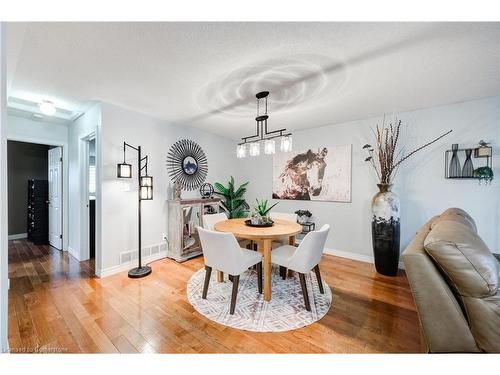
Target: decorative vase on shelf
(455, 170)
(468, 169)
(386, 230)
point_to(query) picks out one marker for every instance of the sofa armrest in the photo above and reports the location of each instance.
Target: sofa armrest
(444, 325)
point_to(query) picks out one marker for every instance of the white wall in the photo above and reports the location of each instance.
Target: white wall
(119, 197)
(421, 184)
(36, 131)
(41, 132)
(88, 123)
(4, 345)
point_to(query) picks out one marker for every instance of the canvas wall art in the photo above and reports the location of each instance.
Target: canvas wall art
(316, 174)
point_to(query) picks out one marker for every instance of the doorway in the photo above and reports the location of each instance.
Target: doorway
(35, 193)
(88, 165)
(91, 197)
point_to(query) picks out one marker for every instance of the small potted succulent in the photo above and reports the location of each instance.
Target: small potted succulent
(303, 216)
(259, 215)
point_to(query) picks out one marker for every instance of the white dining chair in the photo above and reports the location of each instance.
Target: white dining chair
(283, 216)
(222, 252)
(209, 220)
(303, 259)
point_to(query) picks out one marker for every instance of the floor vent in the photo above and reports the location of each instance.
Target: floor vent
(131, 256)
(125, 257)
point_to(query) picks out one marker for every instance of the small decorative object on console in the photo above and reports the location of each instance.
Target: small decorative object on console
(177, 190)
(206, 190)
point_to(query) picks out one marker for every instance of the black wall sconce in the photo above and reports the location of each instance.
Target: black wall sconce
(145, 192)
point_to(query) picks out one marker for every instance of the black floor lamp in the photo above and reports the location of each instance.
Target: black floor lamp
(145, 192)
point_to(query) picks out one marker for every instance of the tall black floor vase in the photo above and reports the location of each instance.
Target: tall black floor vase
(386, 230)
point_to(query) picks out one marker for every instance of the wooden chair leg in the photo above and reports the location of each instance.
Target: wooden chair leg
(303, 284)
(230, 277)
(259, 276)
(283, 272)
(236, 282)
(208, 273)
(318, 277)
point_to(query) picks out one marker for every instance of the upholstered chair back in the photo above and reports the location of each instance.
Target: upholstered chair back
(221, 251)
(308, 253)
(210, 220)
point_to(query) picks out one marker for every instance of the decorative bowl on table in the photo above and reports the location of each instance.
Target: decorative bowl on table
(260, 222)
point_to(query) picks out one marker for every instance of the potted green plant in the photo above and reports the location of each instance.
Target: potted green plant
(303, 216)
(259, 215)
(233, 200)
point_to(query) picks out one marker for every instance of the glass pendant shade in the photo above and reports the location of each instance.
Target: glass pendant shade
(254, 149)
(241, 151)
(124, 170)
(269, 147)
(286, 144)
(146, 181)
(146, 193)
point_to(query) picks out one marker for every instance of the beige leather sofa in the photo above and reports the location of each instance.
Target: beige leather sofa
(454, 279)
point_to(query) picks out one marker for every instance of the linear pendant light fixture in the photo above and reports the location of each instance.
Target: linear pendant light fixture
(251, 145)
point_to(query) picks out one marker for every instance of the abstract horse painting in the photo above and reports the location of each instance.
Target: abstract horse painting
(322, 174)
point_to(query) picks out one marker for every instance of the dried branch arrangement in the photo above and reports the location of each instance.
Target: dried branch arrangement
(386, 157)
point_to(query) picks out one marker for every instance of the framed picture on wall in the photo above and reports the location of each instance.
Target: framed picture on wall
(316, 174)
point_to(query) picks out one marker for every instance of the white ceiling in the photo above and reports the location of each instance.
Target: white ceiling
(206, 74)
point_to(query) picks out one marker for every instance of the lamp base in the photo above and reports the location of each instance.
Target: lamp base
(137, 272)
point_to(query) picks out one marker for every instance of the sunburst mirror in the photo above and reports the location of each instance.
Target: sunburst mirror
(187, 163)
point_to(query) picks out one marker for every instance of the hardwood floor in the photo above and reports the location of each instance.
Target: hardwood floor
(56, 305)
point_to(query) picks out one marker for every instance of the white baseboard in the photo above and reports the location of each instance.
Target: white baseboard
(354, 256)
(74, 253)
(126, 266)
(18, 236)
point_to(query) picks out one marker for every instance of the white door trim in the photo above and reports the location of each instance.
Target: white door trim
(84, 165)
(84, 216)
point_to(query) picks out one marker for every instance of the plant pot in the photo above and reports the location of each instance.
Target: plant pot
(386, 230)
(303, 219)
(255, 220)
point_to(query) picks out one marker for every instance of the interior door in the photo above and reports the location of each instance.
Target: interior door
(55, 197)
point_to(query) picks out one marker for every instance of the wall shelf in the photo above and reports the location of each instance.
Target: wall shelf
(476, 158)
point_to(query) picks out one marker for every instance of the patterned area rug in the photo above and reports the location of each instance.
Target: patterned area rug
(285, 312)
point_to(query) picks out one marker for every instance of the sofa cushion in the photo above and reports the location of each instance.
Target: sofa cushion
(463, 257)
(459, 215)
(484, 318)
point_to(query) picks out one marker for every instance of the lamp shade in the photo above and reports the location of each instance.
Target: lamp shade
(124, 170)
(146, 181)
(241, 151)
(286, 144)
(146, 193)
(269, 147)
(254, 149)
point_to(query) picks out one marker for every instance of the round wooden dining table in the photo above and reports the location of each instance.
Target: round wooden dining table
(263, 237)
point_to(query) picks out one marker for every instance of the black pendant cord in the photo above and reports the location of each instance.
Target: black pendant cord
(262, 132)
